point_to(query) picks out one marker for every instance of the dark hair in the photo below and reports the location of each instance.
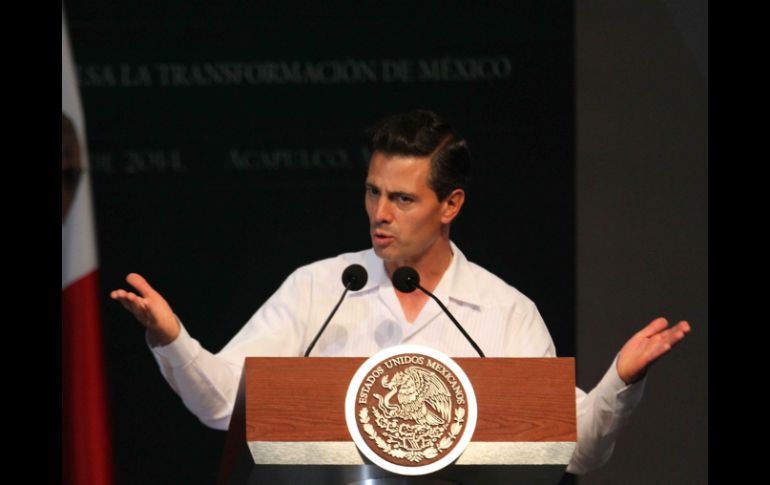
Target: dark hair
(424, 134)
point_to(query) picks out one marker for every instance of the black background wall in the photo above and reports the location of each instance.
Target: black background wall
(642, 192)
(226, 149)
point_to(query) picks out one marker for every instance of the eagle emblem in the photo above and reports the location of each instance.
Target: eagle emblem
(420, 423)
(422, 397)
(411, 410)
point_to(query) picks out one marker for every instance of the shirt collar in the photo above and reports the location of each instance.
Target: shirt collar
(460, 284)
(456, 283)
(376, 272)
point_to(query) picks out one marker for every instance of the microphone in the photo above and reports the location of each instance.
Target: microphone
(354, 278)
(406, 280)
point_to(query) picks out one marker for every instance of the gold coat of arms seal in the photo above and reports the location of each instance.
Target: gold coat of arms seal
(411, 410)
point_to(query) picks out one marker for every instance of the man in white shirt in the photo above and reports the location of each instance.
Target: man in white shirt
(415, 187)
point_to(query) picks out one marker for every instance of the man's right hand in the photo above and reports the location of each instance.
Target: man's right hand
(150, 309)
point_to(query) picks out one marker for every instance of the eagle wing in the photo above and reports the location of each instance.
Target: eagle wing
(434, 392)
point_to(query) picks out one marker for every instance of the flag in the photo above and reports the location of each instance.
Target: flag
(86, 448)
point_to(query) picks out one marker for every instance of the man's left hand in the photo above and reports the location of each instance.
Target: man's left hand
(647, 346)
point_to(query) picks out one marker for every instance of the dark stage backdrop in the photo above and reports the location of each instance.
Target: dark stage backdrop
(226, 148)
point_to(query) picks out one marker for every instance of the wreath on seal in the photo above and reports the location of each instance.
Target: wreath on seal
(391, 445)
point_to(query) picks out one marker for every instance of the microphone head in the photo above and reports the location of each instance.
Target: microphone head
(406, 279)
(355, 276)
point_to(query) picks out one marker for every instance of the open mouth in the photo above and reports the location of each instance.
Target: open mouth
(381, 238)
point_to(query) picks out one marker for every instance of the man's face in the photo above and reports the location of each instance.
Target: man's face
(405, 215)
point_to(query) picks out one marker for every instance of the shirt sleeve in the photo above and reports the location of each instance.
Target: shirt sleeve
(601, 414)
(208, 383)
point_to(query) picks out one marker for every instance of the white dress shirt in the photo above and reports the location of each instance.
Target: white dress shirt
(500, 319)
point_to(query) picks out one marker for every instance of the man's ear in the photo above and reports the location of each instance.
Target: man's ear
(452, 205)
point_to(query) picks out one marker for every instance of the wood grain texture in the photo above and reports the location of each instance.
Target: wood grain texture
(302, 399)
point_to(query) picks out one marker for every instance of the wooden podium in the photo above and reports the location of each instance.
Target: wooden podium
(288, 424)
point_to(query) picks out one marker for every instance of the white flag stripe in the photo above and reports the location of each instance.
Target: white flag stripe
(78, 235)
(70, 95)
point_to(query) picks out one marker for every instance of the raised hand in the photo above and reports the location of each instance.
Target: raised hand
(647, 346)
(151, 309)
